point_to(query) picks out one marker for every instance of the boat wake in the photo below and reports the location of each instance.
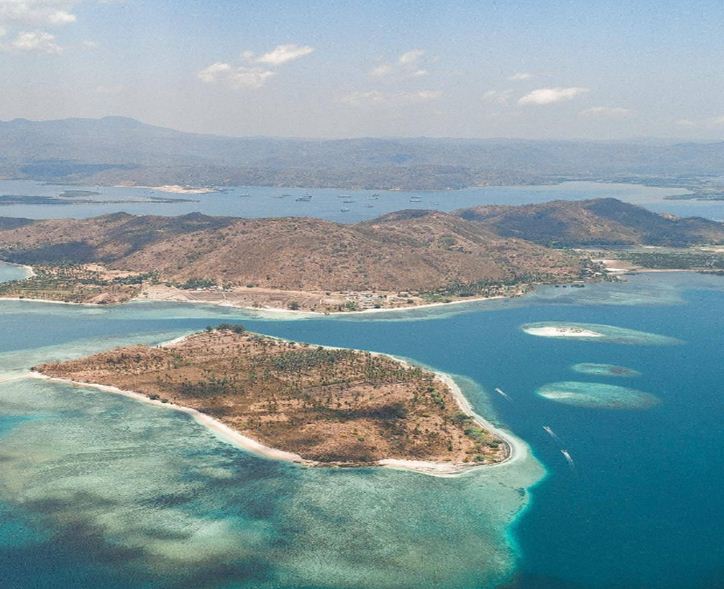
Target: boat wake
(568, 457)
(549, 430)
(566, 454)
(502, 393)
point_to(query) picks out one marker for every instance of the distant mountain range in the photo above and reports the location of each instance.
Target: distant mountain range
(409, 250)
(117, 149)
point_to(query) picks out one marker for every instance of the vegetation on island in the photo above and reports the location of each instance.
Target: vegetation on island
(687, 259)
(77, 283)
(327, 405)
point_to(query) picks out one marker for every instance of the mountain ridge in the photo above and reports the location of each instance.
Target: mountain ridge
(114, 150)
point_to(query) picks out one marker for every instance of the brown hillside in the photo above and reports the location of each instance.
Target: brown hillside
(396, 252)
(331, 406)
(604, 221)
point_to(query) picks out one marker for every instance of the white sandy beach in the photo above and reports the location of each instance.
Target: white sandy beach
(516, 448)
(561, 331)
(177, 189)
(222, 430)
(277, 312)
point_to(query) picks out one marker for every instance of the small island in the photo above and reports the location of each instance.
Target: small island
(561, 331)
(312, 404)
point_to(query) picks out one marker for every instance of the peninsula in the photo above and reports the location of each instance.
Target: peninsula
(321, 406)
(402, 259)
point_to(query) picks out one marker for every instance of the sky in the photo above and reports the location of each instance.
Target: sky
(541, 69)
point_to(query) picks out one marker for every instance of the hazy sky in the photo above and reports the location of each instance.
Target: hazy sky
(506, 68)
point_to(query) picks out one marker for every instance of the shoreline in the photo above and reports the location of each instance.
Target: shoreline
(52, 302)
(143, 297)
(301, 313)
(261, 310)
(516, 448)
(28, 269)
(223, 431)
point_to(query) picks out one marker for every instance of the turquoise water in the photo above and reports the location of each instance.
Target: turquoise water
(101, 491)
(12, 272)
(258, 201)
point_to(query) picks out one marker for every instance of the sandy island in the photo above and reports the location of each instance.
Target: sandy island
(561, 331)
(513, 448)
(516, 447)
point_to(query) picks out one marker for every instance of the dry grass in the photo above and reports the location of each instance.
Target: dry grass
(331, 406)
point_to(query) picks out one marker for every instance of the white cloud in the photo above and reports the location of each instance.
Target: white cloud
(33, 42)
(236, 77)
(610, 112)
(543, 96)
(17, 16)
(251, 75)
(214, 71)
(407, 65)
(282, 54)
(520, 76)
(427, 94)
(378, 98)
(383, 69)
(497, 96)
(411, 57)
(37, 12)
(718, 120)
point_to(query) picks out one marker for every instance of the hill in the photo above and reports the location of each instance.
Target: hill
(420, 252)
(115, 150)
(596, 222)
(399, 259)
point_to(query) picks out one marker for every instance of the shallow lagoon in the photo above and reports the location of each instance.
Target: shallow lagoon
(609, 370)
(100, 491)
(597, 395)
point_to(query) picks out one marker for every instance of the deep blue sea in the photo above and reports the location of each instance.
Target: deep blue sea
(344, 206)
(99, 490)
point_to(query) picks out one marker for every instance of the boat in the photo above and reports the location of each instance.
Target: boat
(415, 199)
(305, 198)
(245, 195)
(345, 210)
(347, 200)
(502, 393)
